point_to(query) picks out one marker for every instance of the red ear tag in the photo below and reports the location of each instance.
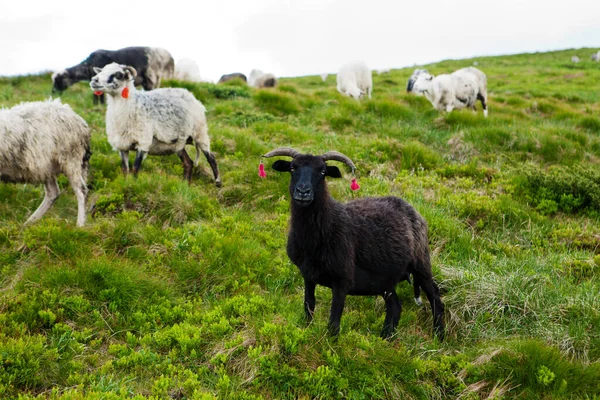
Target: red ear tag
(98, 93)
(261, 170)
(354, 185)
(125, 92)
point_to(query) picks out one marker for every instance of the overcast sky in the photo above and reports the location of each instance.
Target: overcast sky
(289, 37)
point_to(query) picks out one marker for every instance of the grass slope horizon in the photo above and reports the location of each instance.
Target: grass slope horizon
(185, 291)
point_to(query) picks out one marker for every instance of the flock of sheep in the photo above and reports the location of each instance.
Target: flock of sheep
(364, 247)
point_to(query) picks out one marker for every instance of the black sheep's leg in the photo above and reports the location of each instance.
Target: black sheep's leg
(437, 307)
(125, 162)
(393, 308)
(483, 101)
(187, 165)
(95, 98)
(309, 299)
(137, 164)
(213, 164)
(339, 293)
(102, 98)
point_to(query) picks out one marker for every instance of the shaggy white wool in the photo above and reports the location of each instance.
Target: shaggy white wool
(458, 90)
(39, 141)
(187, 69)
(355, 80)
(157, 122)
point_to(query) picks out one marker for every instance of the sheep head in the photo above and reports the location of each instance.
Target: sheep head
(354, 92)
(422, 82)
(413, 79)
(60, 81)
(113, 78)
(308, 172)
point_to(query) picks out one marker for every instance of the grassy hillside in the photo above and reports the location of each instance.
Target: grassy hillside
(177, 291)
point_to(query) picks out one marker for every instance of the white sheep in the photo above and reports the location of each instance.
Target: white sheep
(355, 80)
(324, 76)
(458, 90)
(575, 59)
(259, 79)
(596, 56)
(158, 122)
(38, 142)
(187, 69)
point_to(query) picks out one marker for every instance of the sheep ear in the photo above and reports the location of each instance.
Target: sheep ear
(97, 70)
(333, 172)
(281, 166)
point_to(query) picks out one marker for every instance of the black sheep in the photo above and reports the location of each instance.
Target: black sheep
(151, 63)
(235, 75)
(364, 247)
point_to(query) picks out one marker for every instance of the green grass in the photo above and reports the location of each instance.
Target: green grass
(177, 291)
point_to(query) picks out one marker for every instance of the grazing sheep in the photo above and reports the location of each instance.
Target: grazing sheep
(355, 80)
(235, 75)
(186, 69)
(158, 122)
(575, 59)
(596, 56)
(364, 247)
(324, 77)
(152, 63)
(259, 79)
(413, 79)
(458, 90)
(39, 141)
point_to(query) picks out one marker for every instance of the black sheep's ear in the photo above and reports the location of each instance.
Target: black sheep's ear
(281, 166)
(333, 172)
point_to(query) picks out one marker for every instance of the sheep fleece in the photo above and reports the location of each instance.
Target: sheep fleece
(167, 115)
(38, 140)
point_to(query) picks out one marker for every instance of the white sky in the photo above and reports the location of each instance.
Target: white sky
(290, 37)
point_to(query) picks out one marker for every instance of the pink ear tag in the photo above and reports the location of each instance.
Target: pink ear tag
(125, 92)
(354, 185)
(261, 170)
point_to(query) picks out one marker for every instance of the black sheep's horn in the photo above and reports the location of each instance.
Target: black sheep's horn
(282, 151)
(337, 156)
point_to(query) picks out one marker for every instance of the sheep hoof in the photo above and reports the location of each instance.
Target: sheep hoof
(418, 301)
(218, 183)
(387, 333)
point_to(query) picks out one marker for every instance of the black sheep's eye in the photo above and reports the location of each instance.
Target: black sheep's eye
(119, 75)
(323, 172)
(292, 169)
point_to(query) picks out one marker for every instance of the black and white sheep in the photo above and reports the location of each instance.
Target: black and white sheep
(235, 75)
(364, 247)
(596, 56)
(38, 142)
(158, 122)
(355, 80)
(259, 79)
(152, 63)
(458, 90)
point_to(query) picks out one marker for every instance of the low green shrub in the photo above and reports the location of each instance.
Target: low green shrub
(568, 189)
